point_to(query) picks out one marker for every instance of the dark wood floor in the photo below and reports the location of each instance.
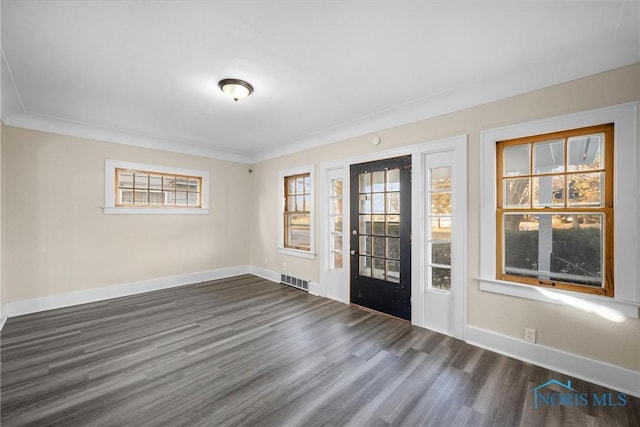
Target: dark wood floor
(244, 351)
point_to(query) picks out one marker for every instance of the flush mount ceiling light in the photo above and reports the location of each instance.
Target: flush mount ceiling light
(235, 89)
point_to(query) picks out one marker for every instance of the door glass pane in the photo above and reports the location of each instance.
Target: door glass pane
(365, 203)
(365, 266)
(441, 203)
(378, 203)
(441, 178)
(393, 248)
(365, 224)
(393, 203)
(364, 183)
(441, 278)
(393, 225)
(378, 247)
(336, 188)
(337, 260)
(337, 223)
(336, 206)
(393, 271)
(441, 228)
(378, 181)
(393, 180)
(337, 241)
(441, 253)
(378, 225)
(365, 245)
(378, 268)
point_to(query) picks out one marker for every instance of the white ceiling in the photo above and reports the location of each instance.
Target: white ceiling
(146, 72)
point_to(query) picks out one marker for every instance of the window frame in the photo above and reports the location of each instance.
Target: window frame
(626, 299)
(291, 211)
(111, 205)
(282, 215)
(606, 209)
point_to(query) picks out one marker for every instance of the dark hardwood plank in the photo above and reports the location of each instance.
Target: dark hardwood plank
(244, 352)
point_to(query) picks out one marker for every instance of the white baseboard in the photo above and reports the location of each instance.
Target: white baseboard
(597, 372)
(18, 308)
(315, 288)
(265, 273)
(3, 316)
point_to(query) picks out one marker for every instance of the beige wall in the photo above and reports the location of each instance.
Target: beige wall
(560, 327)
(58, 240)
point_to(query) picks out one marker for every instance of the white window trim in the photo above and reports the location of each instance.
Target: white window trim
(627, 287)
(310, 254)
(110, 207)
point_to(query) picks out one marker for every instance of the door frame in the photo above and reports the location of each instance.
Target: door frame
(376, 293)
(339, 290)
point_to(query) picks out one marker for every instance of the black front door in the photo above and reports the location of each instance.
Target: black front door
(381, 236)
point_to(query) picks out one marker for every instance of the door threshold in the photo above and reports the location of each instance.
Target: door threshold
(370, 310)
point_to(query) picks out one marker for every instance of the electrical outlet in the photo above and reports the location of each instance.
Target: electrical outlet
(530, 335)
(284, 265)
(266, 261)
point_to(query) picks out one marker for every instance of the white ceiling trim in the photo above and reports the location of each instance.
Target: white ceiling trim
(86, 130)
(11, 103)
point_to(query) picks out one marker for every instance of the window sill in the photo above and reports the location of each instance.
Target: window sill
(297, 252)
(155, 211)
(606, 307)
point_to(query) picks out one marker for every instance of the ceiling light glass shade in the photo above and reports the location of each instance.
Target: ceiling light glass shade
(235, 89)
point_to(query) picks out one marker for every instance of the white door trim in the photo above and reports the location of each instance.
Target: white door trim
(457, 144)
